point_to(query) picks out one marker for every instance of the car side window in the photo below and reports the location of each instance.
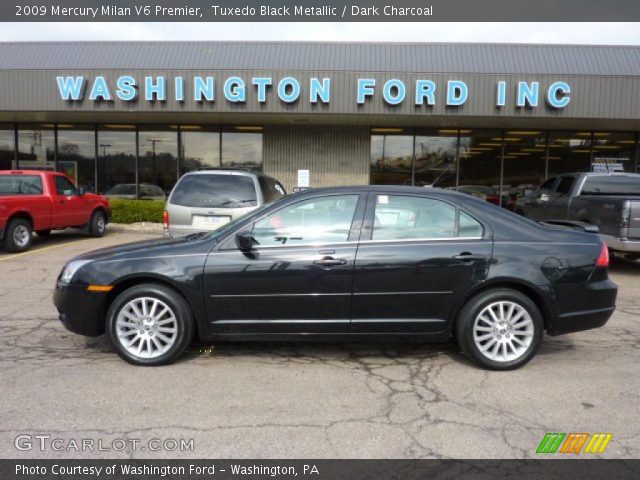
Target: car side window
(564, 186)
(469, 226)
(548, 185)
(403, 217)
(65, 187)
(399, 217)
(319, 220)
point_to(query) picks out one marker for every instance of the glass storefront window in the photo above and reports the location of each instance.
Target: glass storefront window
(614, 152)
(158, 157)
(480, 156)
(435, 158)
(76, 154)
(7, 147)
(391, 159)
(117, 161)
(242, 147)
(524, 158)
(36, 147)
(569, 152)
(200, 147)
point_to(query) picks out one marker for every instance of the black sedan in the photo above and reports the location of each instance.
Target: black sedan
(346, 263)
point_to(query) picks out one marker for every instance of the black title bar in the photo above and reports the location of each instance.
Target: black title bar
(318, 469)
(321, 11)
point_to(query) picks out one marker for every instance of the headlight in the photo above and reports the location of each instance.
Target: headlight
(71, 268)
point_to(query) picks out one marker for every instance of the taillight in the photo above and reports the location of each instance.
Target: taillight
(603, 259)
(165, 219)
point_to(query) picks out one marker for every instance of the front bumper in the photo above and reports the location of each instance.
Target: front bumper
(622, 244)
(597, 302)
(81, 312)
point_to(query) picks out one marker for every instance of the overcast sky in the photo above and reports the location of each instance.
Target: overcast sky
(582, 33)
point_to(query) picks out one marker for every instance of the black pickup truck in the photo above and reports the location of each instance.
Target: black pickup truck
(610, 201)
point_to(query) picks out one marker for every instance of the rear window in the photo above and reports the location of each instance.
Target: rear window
(215, 191)
(20, 185)
(613, 185)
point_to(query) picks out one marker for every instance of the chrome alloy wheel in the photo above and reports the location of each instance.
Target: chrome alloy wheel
(21, 236)
(503, 331)
(146, 327)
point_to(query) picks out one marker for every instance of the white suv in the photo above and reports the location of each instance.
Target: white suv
(208, 198)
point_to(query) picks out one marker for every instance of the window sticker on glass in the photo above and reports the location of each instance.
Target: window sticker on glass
(383, 199)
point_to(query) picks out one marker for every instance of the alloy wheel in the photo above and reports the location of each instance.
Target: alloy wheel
(146, 327)
(503, 331)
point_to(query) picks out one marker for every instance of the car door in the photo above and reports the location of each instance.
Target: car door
(296, 279)
(69, 208)
(416, 256)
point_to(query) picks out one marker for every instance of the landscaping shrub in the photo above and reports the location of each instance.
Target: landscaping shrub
(132, 211)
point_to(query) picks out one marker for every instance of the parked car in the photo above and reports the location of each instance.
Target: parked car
(208, 198)
(610, 201)
(41, 201)
(343, 263)
(483, 192)
(128, 192)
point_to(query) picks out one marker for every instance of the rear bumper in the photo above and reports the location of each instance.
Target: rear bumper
(598, 302)
(80, 311)
(622, 244)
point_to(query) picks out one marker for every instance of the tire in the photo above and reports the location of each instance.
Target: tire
(515, 346)
(44, 233)
(151, 348)
(18, 235)
(97, 224)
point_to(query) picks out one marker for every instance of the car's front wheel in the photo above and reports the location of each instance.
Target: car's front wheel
(501, 329)
(150, 325)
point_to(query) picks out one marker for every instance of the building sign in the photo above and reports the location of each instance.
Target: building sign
(289, 90)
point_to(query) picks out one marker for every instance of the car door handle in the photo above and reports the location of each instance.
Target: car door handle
(330, 262)
(470, 257)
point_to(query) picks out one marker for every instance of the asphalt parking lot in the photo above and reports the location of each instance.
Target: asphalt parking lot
(300, 400)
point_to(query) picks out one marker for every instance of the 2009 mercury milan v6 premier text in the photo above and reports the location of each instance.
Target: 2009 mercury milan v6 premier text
(345, 263)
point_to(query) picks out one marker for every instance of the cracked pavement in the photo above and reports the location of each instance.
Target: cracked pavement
(302, 400)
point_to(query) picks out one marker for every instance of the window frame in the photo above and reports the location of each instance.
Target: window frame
(367, 230)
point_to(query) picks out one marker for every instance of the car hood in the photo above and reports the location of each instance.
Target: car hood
(145, 247)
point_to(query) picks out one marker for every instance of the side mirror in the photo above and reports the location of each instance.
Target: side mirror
(244, 240)
(544, 197)
(81, 191)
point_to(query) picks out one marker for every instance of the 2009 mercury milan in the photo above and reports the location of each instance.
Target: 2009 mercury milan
(348, 262)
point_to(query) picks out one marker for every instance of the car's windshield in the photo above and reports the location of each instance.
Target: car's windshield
(215, 191)
(613, 185)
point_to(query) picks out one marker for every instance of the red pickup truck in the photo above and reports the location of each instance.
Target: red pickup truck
(41, 201)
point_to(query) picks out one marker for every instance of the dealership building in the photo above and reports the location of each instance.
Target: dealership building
(134, 116)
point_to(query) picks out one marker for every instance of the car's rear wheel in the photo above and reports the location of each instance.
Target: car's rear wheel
(149, 325)
(500, 329)
(18, 235)
(97, 224)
